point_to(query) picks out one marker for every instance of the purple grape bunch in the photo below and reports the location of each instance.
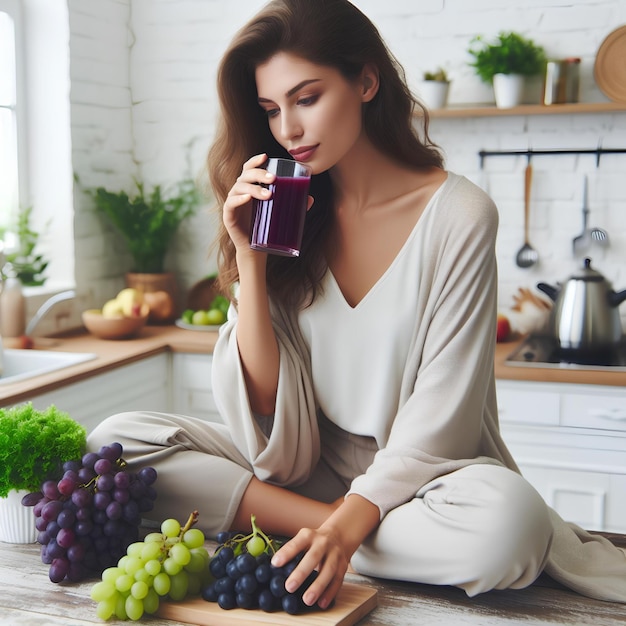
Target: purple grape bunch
(245, 578)
(88, 518)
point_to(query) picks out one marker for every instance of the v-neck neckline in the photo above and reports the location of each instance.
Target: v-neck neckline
(396, 259)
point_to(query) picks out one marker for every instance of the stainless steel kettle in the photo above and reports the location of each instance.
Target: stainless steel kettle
(585, 315)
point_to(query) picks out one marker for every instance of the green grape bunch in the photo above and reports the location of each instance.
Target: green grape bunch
(169, 565)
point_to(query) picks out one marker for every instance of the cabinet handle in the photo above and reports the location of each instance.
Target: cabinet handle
(615, 415)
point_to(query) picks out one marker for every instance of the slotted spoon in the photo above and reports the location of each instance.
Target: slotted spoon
(589, 235)
(527, 255)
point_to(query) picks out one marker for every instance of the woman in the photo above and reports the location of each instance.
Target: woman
(356, 382)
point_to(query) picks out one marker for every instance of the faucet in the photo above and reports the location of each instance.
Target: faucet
(46, 306)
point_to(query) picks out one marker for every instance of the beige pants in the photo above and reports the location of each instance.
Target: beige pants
(482, 527)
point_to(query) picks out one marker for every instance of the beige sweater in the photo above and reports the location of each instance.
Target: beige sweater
(447, 415)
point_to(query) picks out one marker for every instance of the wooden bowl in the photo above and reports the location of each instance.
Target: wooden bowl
(114, 327)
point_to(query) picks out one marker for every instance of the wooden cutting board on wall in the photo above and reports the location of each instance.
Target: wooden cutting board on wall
(351, 604)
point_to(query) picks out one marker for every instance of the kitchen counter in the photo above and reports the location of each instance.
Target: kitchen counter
(110, 355)
(552, 374)
(157, 339)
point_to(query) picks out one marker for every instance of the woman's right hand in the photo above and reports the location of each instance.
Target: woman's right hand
(237, 210)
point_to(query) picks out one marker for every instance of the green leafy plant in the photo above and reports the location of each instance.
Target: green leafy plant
(34, 445)
(510, 53)
(148, 221)
(439, 75)
(24, 262)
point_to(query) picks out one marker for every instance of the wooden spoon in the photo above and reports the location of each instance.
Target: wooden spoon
(527, 255)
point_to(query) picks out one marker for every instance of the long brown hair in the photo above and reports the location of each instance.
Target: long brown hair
(332, 33)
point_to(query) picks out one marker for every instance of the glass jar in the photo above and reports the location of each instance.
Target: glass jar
(562, 81)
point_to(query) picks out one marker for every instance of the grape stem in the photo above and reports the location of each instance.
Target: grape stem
(193, 518)
(237, 541)
(257, 531)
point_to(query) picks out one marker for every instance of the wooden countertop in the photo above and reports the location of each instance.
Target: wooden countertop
(157, 339)
(110, 354)
(551, 374)
(28, 598)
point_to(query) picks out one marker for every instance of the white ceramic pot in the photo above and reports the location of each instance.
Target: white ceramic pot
(434, 94)
(508, 90)
(17, 522)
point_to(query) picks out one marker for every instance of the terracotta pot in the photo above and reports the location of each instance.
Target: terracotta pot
(17, 522)
(157, 282)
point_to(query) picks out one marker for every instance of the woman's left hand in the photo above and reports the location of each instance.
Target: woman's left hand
(322, 551)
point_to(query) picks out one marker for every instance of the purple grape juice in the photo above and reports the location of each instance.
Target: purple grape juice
(277, 223)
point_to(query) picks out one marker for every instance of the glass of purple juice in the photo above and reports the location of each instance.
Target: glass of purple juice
(277, 223)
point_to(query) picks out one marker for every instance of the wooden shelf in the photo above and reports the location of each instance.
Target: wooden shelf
(529, 109)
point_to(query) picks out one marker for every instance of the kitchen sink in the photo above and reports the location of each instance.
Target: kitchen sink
(23, 364)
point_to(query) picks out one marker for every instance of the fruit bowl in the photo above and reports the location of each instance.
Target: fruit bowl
(120, 327)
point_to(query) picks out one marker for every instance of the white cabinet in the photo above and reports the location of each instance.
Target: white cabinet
(144, 385)
(192, 393)
(570, 443)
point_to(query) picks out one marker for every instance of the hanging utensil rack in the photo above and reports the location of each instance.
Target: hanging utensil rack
(529, 153)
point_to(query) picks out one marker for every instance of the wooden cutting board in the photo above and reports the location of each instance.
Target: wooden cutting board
(351, 604)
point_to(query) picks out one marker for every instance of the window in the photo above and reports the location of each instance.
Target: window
(35, 142)
(10, 137)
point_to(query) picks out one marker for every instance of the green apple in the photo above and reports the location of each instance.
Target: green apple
(216, 317)
(200, 318)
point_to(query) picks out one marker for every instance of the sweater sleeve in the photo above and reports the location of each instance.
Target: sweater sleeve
(282, 448)
(439, 425)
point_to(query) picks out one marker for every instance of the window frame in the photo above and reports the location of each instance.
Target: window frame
(14, 10)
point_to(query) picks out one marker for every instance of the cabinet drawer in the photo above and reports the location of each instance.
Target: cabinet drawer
(604, 410)
(526, 406)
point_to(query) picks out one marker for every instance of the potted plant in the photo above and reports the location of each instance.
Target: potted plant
(26, 263)
(33, 447)
(148, 222)
(506, 62)
(434, 89)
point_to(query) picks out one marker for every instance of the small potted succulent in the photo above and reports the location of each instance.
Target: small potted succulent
(434, 89)
(506, 62)
(34, 445)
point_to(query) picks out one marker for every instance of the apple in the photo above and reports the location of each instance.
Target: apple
(503, 328)
(130, 300)
(23, 342)
(200, 318)
(112, 309)
(161, 305)
(215, 317)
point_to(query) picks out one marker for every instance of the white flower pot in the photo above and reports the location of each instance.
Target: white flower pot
(508, 90)
(17, 522)
(434, 94)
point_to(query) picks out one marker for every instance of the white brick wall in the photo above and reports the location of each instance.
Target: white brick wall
(143, 103)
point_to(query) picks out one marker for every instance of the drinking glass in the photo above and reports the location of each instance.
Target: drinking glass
(277, 223)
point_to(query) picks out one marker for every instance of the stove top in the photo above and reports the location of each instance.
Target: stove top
(543, 351)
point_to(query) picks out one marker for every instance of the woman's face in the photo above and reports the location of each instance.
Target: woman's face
(312, 110)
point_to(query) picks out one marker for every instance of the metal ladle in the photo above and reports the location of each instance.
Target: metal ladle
(527, 255)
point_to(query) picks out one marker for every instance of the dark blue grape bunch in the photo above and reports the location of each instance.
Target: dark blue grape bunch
(245, 578)
(88, 518)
